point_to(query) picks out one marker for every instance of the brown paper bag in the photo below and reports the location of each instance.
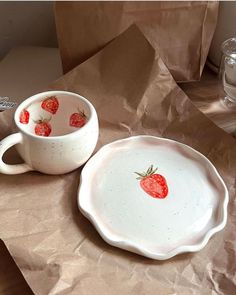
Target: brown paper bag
(56, 248)
(181, 31)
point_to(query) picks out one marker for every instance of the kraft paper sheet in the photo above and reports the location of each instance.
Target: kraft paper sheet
(180, 30)
(56, 248)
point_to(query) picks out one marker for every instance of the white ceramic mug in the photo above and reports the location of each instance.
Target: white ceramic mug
(57, 133)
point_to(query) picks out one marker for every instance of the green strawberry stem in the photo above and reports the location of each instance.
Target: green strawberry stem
(149, 172)
(82, 113)
(43, 120)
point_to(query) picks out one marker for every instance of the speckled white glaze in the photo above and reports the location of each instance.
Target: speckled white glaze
(66, 149)
(127, 217)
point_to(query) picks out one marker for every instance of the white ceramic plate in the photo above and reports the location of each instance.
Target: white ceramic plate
(176, 209)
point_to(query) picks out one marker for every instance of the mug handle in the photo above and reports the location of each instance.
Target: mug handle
(5, 144)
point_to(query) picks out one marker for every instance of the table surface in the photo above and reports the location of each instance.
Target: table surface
(24, 68)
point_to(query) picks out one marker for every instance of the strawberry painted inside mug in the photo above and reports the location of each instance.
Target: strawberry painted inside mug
(54, 116)
(55, 133)
(24, 116)
(50, 104)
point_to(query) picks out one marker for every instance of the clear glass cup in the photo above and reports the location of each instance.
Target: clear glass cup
(228, 71)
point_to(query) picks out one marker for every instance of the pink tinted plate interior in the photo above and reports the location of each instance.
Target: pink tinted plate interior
(156, 213)
(54, 115)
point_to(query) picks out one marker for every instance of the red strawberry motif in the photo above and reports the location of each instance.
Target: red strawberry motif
(24, 116)
(42, 127)
(50, 104)
(153, 184)
(78, 119)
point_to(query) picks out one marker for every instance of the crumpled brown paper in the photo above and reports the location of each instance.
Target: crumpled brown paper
(57, 249)
(180, 31)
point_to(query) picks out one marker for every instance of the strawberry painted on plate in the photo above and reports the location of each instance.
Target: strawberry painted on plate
(153, 184)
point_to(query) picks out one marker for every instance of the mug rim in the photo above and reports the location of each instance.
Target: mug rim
(36, 96)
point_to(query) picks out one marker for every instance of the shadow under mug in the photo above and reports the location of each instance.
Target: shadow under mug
(57, 133)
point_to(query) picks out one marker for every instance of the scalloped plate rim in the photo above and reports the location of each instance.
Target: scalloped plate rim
(138, 249)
